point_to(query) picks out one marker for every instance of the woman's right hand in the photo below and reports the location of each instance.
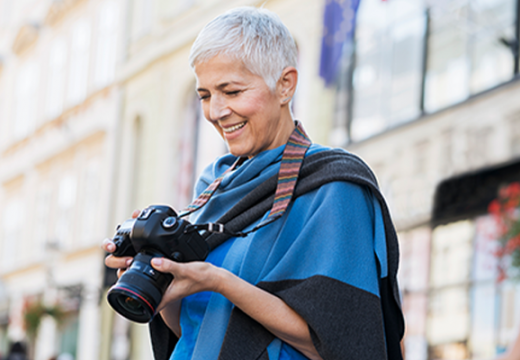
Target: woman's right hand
(170, 312)
(116, 262)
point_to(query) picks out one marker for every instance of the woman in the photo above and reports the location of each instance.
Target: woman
(314, 277)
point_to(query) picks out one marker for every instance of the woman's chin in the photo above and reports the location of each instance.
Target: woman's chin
(240, 152)
(240, 149)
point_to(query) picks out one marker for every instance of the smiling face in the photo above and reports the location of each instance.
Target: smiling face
(248, 115)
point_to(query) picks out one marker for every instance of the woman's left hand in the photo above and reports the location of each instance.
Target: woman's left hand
(269, 310)
(188, 278)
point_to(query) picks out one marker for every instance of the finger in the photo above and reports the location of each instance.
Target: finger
(120, 272)
(164, 265)
(136, 213)
(108, 245)
(116, 262)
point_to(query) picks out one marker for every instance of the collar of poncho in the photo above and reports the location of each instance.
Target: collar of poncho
(292, 159)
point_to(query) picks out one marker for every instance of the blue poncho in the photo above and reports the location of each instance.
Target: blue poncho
(325, 258)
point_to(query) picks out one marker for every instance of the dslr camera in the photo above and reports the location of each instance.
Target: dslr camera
(156, 232)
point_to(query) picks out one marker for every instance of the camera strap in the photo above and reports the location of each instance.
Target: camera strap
(210, 190)
(292, 159)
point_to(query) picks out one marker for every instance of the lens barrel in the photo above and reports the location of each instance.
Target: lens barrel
(140, 289)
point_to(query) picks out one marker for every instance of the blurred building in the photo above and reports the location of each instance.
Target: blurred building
(435, 110)
(59, 111)
(98, 117)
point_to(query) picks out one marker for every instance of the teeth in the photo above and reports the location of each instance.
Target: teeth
(234, 128)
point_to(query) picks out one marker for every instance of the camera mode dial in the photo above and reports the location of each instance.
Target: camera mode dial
(169, 222)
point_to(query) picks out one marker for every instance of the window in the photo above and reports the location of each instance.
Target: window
(479, 149)
(5, 12)
(187, 154)
(170, 9)
(142, 18)
(388, 74)
(199, 145)
(492, 61)
(41, 228)
(482, 339)
(79, 63)
(412, 59)
(56, 79)
(413, 281)
(137, 171)
(26, 100)
(90, 191)
(469, 312)
(12, 233)
(509, 316)
(514, 135)
(209, 144)
(106, 50)
(483, 293)
(4, 340)
(65, 213)
(465, 54)
(68, 336)
(448, 316)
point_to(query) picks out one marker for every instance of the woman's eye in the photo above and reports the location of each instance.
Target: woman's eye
(233, 92)
(203, 97)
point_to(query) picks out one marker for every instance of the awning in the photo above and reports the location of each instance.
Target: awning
(468, 195)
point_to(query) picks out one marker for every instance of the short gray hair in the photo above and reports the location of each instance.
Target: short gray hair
(257, 37)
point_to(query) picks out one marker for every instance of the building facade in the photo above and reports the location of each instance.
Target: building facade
(435, 111)
(59, 111)
(99, 116)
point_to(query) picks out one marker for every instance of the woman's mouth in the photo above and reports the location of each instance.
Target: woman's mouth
(233, 128)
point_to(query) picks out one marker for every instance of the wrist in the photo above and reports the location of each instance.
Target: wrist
(220, 278)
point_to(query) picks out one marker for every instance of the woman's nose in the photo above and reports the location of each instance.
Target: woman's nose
(218, 108)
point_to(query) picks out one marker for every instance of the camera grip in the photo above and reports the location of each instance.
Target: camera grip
(123, 247)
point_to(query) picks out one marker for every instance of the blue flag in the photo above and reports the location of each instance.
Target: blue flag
(339, 22)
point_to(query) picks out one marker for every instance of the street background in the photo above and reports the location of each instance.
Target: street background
(98, 117)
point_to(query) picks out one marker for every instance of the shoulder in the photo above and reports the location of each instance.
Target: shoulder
(327, 165)
(336, 157)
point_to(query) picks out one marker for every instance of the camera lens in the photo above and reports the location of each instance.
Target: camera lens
(131, 305)
(139, 290)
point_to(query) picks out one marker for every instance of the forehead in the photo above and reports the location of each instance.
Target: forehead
(222, 70)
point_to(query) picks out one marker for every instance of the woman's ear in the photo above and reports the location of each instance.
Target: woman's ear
(287, 84)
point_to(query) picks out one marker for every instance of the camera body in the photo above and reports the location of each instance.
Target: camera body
(156, 232)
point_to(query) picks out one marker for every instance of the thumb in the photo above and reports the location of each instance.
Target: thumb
(164, 265)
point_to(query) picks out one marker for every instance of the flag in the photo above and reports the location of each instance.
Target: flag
(339, 21)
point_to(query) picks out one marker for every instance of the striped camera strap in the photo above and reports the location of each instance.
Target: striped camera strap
(290, 165)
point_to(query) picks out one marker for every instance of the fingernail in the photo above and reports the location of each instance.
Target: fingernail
(157, 261)
(129, 262)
